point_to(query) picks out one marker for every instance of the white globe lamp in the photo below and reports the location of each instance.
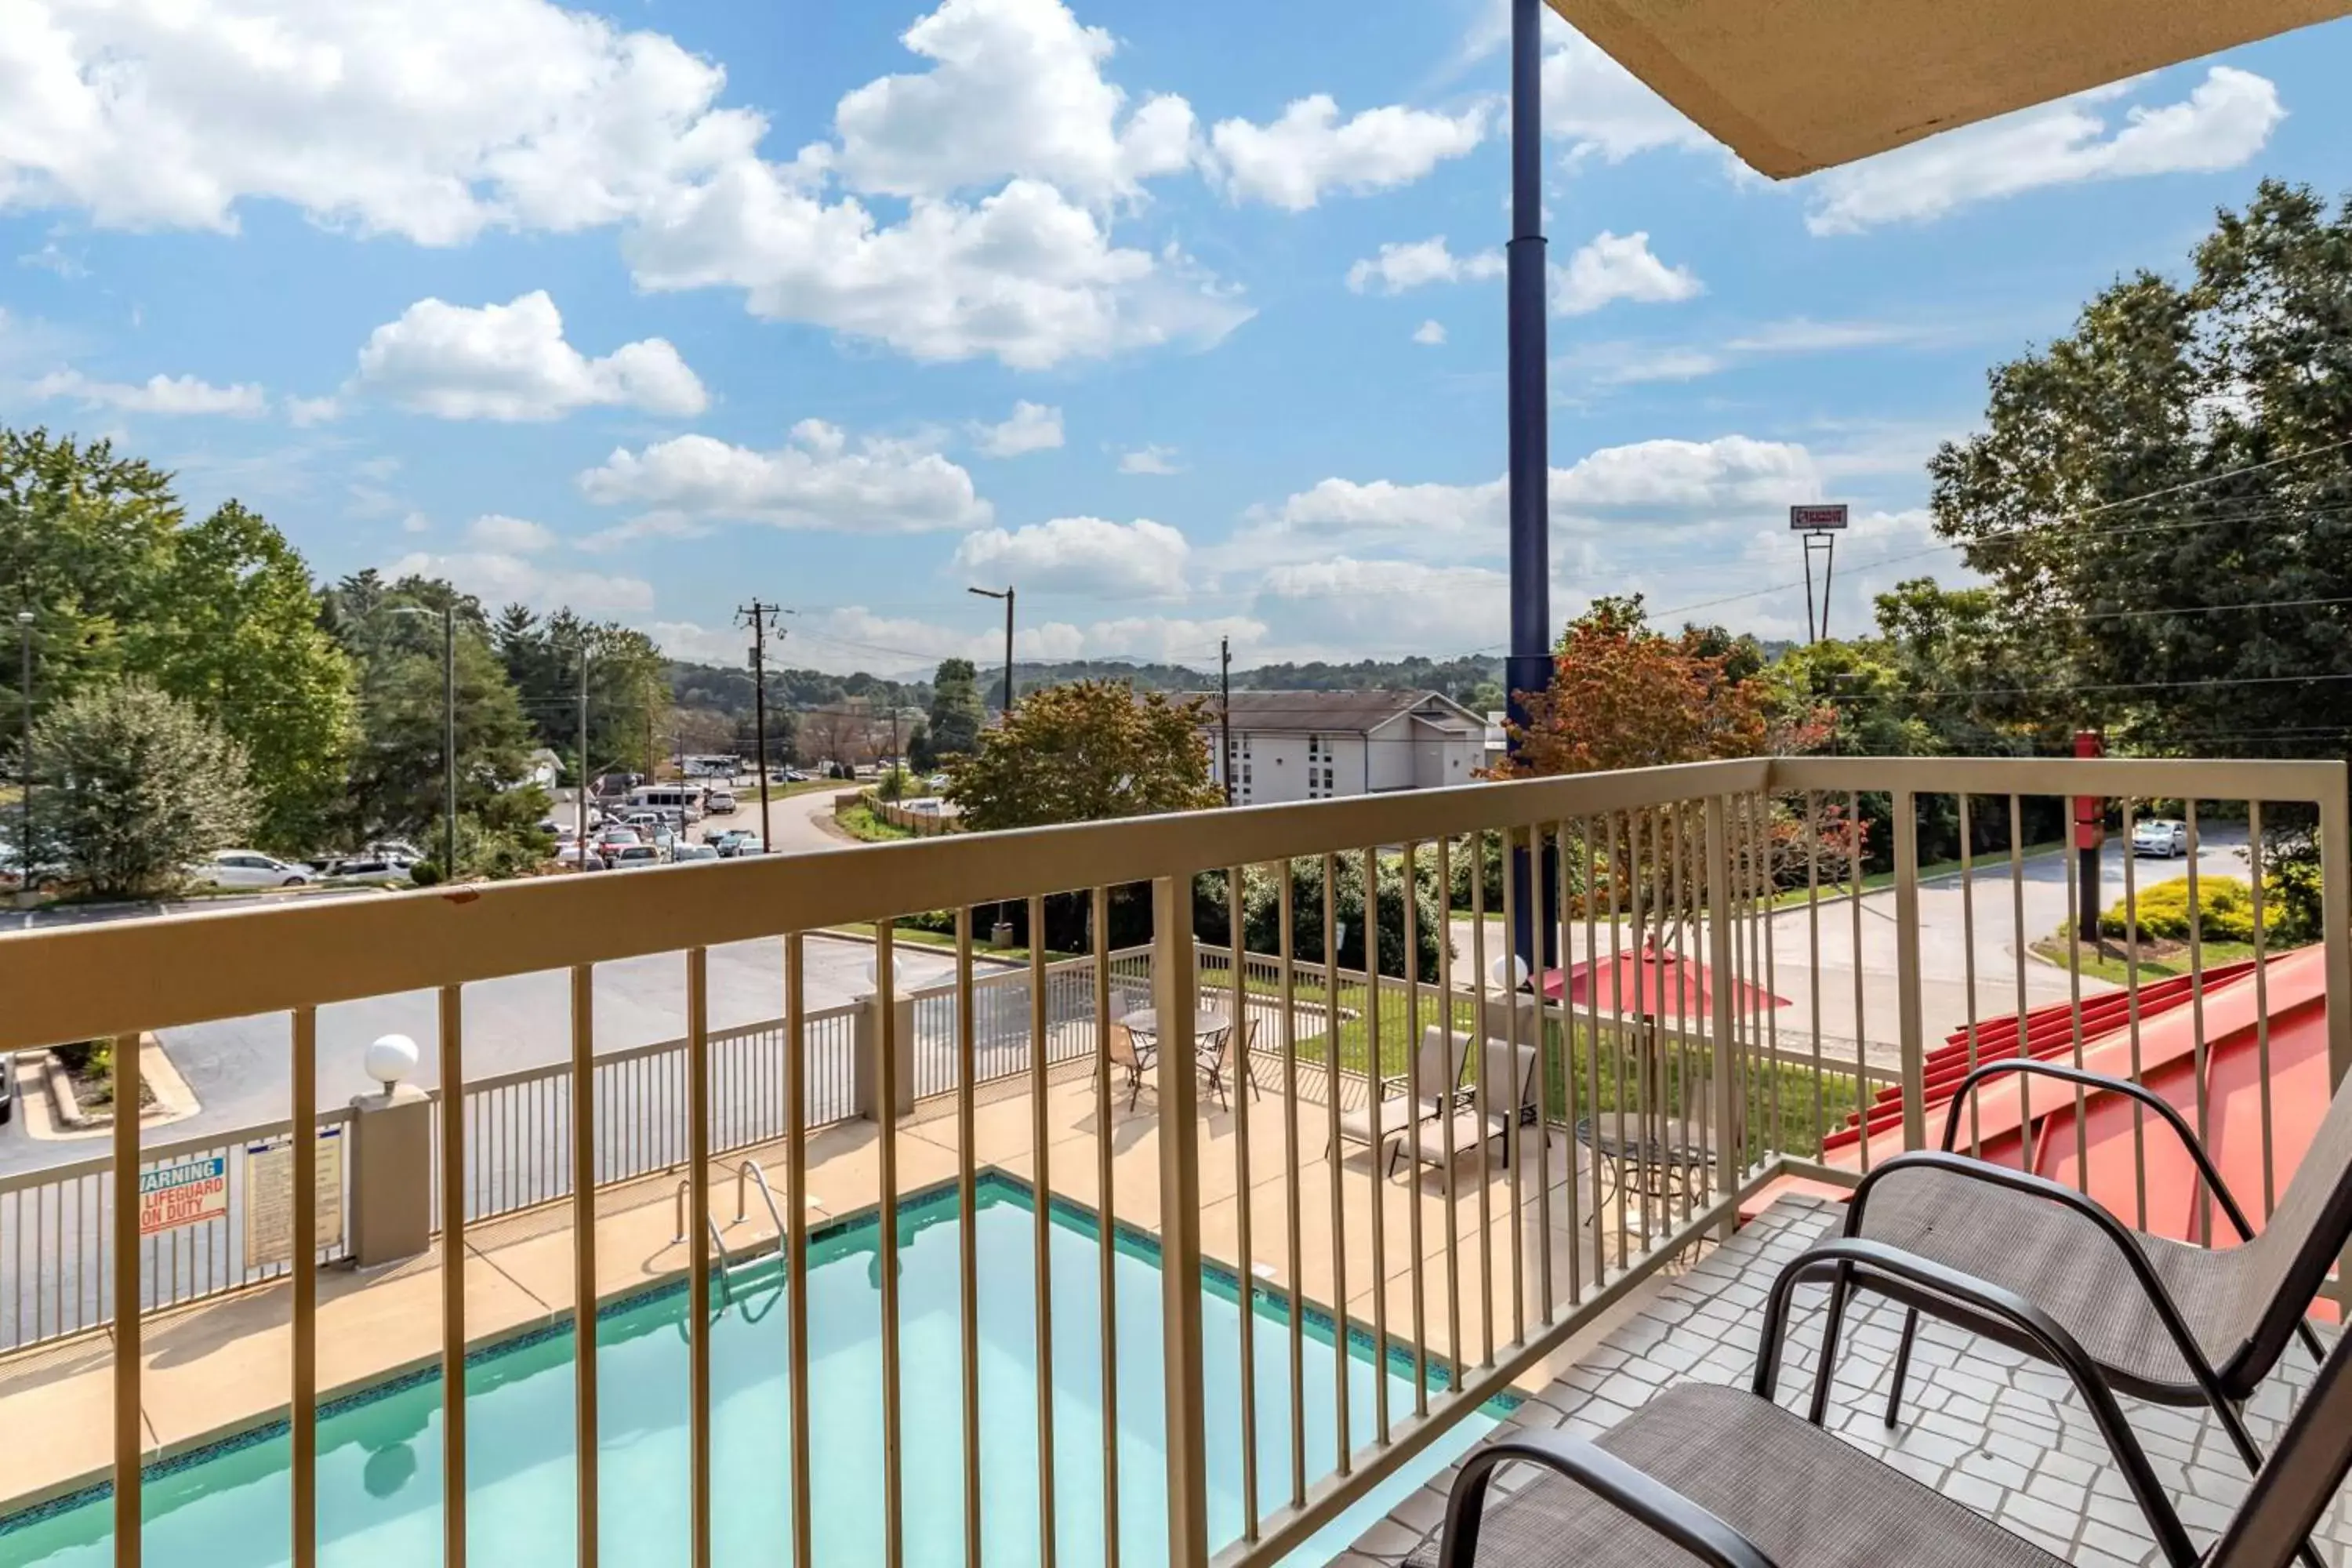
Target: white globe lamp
(391, 1058)
(1509, 972)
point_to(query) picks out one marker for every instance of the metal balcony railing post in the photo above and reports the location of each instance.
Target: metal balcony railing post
(1174, 996)
(1725, 1058)
(1911, 1031)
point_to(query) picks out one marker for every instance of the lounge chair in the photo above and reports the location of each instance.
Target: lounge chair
(2164, 1321)
(1725, 1477)
(1439, 1061)
(1511, 1101)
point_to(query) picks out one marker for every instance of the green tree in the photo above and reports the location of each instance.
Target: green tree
(957, 716)
(921, 755)
(138, 785)
(2159, 499)
(1085, 752)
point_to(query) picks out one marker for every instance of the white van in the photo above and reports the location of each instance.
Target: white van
(686, 802)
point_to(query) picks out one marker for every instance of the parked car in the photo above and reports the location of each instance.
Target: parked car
(573, 857)
(47, 877)
(741, 841)
(399, 850)
(2161, 836)
(363, 868)
(247, 869)
(7, 1087)
(722, 803)
(686, 854)
(635, 857)
(616, 834)
(936, 782)
(794, 775)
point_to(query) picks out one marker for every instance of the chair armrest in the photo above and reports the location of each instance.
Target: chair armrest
(1924, 1277)
(1631, 1492)
(2124, 1086)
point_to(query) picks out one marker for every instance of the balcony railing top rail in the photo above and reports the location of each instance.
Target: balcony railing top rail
(90, 982)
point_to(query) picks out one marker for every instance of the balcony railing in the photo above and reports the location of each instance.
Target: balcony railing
(1597, 1137)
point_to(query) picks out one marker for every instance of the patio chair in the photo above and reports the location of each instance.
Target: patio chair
(1440, 1060)
(1725, 1477)
(1511, 1102)
(2162, 1320)
(1128, 1059)
(1213, 1061)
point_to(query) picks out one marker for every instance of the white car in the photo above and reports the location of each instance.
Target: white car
(722, 803)
(633, 858)
(687, 853)
(2161, 836)
(247, 869)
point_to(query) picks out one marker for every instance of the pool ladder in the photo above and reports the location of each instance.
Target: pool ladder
(745, 1173)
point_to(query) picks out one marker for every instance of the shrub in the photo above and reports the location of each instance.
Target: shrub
(86, 1059)
(140, 785)
(2225, 910)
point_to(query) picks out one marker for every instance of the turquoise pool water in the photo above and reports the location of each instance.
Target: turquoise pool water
(380, 1451)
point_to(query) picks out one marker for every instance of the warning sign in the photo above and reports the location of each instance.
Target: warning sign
(269, 1198)
(186, 1192)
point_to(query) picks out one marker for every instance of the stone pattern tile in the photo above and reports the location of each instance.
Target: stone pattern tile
(1986, 1425)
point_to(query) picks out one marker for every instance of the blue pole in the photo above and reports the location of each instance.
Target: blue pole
(1529, 667)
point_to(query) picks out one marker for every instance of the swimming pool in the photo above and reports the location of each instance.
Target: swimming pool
(380, 1450)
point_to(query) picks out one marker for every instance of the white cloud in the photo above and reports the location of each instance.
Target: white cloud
(1344, 606)
(1624, 362)
(417, 522)
(1139, 559)
(1409, 265)
(1611, 268)
(816, 480)
(1033, 428)
(511, 362)
(510, 535)
(304, 412)
(1601, 110)
(1017, 88)
(498, 578)
(1431, 334)
(438, 119)
(1728, 473)
(432, 120)
(1149, 459)
(1294, 162)
(1026, 276)
(2224, 123)
(169, 395)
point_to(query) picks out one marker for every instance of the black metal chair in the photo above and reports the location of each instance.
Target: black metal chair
(1725, 1477)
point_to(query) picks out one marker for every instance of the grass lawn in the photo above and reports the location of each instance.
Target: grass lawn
(1877, 881)
(2160, 960)
(860, 823)
(914, 936)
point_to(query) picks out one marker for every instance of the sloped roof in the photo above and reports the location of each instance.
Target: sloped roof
(1321, 712)
(1792, 85)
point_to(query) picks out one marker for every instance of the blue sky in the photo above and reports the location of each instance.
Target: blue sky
(1186, 320)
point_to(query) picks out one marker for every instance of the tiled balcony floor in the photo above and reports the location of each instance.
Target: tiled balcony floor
(1986, 1425)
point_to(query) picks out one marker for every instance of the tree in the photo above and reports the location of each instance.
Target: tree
(957, 716)
(220, 613)
(139, 786)
(1625, 696)
(2159, 499)
(1085, 752)
(921, 753)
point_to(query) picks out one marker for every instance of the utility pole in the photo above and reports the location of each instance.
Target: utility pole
(1528, 668)
(449, 741)
(580, 793)
(25, 762)
(1007, 596)
(2090, 829)
(760, 617)
(1225, 714)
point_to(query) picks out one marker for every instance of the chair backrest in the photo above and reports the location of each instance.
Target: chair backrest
(1122, 1046)
(2300, 1243)
(1441, 1059)
(1510, 1077)
(2299, 1481)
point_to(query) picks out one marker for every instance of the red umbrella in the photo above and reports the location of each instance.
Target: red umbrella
(1652, 985)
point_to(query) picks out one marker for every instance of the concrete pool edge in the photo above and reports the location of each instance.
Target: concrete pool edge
(1316, 1322)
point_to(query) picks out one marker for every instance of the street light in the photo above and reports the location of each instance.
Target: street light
(448, 732)
(1007, 596)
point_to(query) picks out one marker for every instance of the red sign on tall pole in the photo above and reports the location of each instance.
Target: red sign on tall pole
(2090, 810)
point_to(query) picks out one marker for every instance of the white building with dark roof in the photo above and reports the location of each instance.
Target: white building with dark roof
(1323, 746)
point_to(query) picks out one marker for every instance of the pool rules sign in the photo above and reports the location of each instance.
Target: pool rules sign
(269, 1197)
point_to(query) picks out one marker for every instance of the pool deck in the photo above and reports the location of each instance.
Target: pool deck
(212, 1369)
